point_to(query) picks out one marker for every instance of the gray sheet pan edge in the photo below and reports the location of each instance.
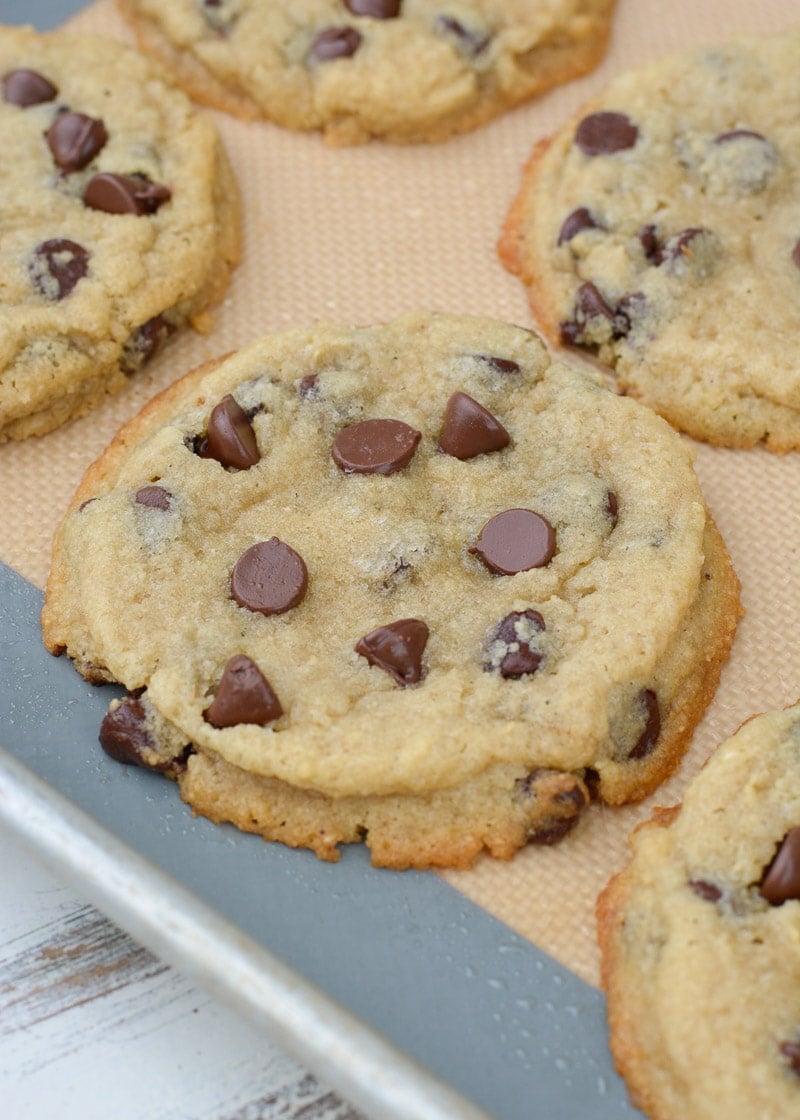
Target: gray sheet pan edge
(290, 941)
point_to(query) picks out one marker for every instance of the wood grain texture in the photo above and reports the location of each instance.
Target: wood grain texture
(92, 1025)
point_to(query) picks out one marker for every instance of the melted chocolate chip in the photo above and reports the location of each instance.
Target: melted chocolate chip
(375, 447)
(397, 648)
(244, 695)
(605, 133)
(335, 42)
(781, 881)
(515, 540)
(791, 1051)
(562, 796)
(590, 304)
(709, 892)
(144, 343)
(56, 267)
(124, 735)
(270, 578)
(75, 139)
(652, 724)
(576, 223)
(653, 249)
(155, 497)
(502, 365)
(230, 438)
(376, 9)
(470, 429)
(27, 87)
(470, 41)
(514, 634)
(124, 194)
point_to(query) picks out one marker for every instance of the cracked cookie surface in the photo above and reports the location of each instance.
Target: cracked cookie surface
(406, 70)
(412, 581)
(119, 219)
(701, 938)
(660, 230)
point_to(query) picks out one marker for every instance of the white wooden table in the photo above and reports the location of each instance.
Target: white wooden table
(93, 1027)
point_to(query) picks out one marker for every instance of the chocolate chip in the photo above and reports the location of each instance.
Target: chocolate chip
(590, 304)
(738, 134)
(144, 343)
(796, 254)
(27, 87)
(376, 9)
(335, 42)
(515, 540)
(781, 880)
(56, 267)
(470, 429)
(710, 892)
(557, 799)
(396, 648)
(124, 194)
(653, 249)
(155, 497)
(308, 387)
(652, 724)
(230, 438)
(510, 652)
(502, 365)
(605, 133)
(791, 1051)
(269, 577)
(679, 245)
(244, 695)
(576, 223)
(75, 139)
(375, 447)
(124, 735)
(612, 506)
(470, 41)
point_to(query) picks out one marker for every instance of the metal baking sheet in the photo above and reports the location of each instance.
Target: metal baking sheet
(405, 996)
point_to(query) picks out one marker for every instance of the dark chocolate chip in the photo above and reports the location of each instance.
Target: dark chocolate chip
(515, 540)
(502, 365)
(155, 497)
(605, 133)
(576, 223)
(470, 429)
(520, 658)
(561, 795)
(308, 388)
(56, 267)
(269, 577)
(144, 343)
(397, 648)
(590, 304)
(230, 438)
(781, 880)
(470, 41)
(376, 9)
(243, 695)
(612, 505)
(791, 1051)
(649, 240)
(27, 87)
(335, 42)
(75, 139)
(680, 244)
(710, 892)
(124, 194)
(124, 735)
(375, 447)
(652, 724)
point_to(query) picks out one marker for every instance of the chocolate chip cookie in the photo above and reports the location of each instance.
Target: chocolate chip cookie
(412, 583)
(119, 219)
(660, 230)
(701, 939)
(407, 70)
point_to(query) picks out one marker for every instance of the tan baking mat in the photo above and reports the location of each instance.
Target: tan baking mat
(359, 235)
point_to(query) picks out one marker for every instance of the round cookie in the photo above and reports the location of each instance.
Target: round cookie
(119, 218)
(700, 937)
(660, 230)
(406, 70)
(412, 583)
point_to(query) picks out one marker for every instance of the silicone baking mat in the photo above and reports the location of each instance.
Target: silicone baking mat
(360, 235)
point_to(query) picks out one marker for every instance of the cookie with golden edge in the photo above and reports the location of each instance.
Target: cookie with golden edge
(119, 217)
(412, 583)
(405, 70)
(659, 230)
(700, 938)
